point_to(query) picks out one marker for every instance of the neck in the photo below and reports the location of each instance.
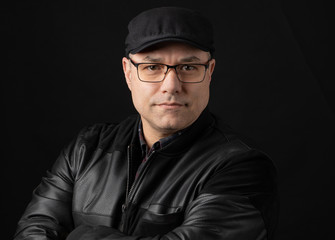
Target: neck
(151, 138)
(152, 135)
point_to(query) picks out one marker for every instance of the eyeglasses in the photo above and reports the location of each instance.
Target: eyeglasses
(156, 72)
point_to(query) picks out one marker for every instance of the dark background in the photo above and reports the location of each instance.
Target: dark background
(272, 83)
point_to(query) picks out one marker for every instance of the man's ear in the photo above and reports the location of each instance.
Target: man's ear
(127, 71)
(211, 68)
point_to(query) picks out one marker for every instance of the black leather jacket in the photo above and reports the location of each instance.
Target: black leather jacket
(205, 185)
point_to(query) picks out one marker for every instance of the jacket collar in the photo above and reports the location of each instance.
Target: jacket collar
(189, 135)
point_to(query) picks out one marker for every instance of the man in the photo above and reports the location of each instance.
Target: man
(173, 171)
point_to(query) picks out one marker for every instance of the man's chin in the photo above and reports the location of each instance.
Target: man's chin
(171, 125)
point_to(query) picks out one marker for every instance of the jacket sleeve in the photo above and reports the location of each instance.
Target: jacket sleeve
(48, 216)
(238, 202)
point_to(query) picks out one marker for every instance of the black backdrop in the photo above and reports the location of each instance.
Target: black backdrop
(272, 84)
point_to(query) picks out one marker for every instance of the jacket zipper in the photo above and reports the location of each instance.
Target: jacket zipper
(132, 192)
(129, 192)
(124, 205)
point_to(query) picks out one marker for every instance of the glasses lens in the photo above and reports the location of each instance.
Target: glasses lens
(191, 73)
(151, 72)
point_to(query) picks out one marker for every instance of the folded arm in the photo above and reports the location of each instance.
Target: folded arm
(238, 202)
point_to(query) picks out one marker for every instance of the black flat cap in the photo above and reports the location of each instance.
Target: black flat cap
(169, 24)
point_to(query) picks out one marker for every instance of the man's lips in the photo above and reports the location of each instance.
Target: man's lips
(170, 105)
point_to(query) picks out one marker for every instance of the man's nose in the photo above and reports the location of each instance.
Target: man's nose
(171, 83)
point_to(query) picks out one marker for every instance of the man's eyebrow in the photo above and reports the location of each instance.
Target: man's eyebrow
(182, 60)
(151, 59)
(190, 59)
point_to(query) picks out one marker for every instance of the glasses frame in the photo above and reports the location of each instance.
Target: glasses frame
(171, 66)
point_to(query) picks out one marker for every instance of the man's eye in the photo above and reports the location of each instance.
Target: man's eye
(153, 67)
(188, 67)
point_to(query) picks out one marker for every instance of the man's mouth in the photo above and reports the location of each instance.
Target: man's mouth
(170, 105)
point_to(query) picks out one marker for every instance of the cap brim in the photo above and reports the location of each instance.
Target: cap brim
(168, 39)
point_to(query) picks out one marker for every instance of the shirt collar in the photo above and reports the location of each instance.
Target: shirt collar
(161, 143)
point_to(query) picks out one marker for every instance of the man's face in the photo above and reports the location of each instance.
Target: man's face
(168, 106)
